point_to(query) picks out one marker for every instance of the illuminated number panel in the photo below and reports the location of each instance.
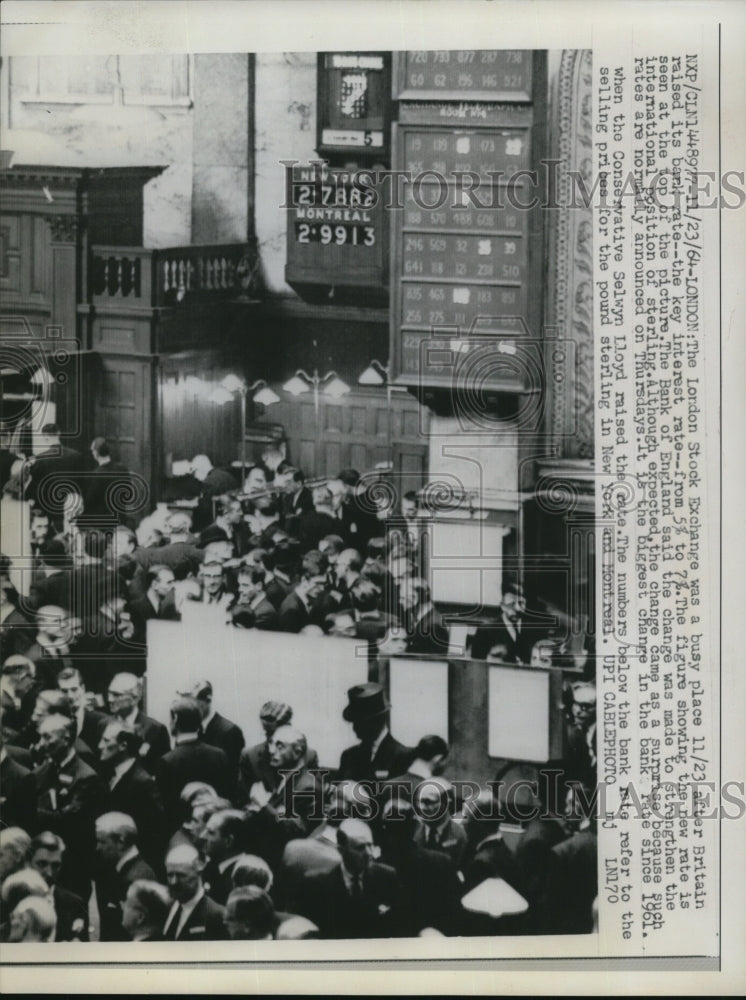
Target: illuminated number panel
(464, 245)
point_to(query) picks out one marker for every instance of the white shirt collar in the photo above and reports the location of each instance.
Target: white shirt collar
(186, 910)
(121, 768)
(185, 738)
(227, 863)
(419, 768)
(132, 716)
(68, 757)
(378, 741)
(127, 856)
(257, 600)
(208, 719)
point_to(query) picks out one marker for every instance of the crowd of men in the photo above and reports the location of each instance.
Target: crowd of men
(119, 827)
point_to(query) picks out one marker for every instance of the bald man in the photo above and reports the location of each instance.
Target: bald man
(119, 864)
(193, 915)
(294, 805)
(358, 898)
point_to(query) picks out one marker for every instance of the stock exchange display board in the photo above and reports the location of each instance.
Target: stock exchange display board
(336, 229)
(464, 244)
(464, 74)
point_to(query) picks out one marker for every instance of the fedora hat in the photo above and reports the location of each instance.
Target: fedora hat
(365, 702)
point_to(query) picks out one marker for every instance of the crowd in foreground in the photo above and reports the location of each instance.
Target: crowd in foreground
(118, 826)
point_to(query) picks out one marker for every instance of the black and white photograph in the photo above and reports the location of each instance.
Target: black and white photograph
(309, 507)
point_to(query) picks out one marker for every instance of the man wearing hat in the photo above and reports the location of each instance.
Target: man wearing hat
(378, 755)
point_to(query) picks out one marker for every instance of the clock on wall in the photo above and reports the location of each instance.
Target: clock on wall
(354, 103)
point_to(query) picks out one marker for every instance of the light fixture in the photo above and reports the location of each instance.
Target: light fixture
(375, 374)
(296, 386)
(226, 391)
(330, 385)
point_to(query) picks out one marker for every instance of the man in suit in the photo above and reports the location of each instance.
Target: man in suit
(193, 915)
(180, 554)
(252, 606)
(223, 841)
(45, 855)
(214, 482)
(132, 790)
(145, 910)
(54, 582)
(378, 755)
(17, 793)
(52, 648)
(319, 852)
(358, 898)
(90, 723)
(190, 760)
(290, 806)
(53, 468)
(320, 522)
(158, 600)
(48, 703)
(228, 526)
(426, 632)
(437, 830)
(119, 864)
(254, 761)
(431, 888)
(124, 695)
(70, 796)
(109, 488)
(300, 607)
(283, 562)
(428, 759)
(216, 729)
(508, 630)
(296, 499)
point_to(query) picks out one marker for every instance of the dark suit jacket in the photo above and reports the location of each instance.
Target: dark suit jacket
(156, 741)
(17, 795)
(265, 616)
(314, 526)
(205, 923)
(137, 795)
(254, 766)
(428, 635)
(277, 590)
(431, 891)
(143, 610)
(487, 636)
(113, 479)
(94, 724)
(191, 762)
(293, 614)
(182, 558)
(54, 589)
(392, 758)
(111, 889)
(226, 735)
(69, 799)
(324, 899)
(72, 916)
(296, 505)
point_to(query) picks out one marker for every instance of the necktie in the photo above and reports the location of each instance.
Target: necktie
(357, 887)
(170, 933)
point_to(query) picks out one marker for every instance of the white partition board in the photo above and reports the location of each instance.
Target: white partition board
(466, 562)
(249, 667)
(518, 713)
(418, 690)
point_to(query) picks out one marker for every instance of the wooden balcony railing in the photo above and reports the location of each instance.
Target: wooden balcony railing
(139, 277)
